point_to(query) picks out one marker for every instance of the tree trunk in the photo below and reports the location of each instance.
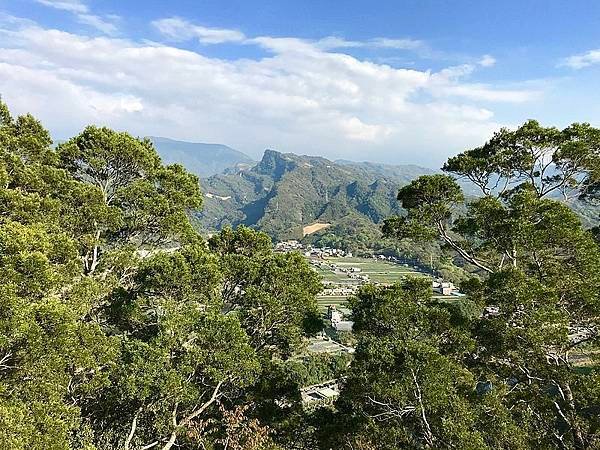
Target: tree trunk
(171, 441)
(185, 421)
(578, 438)
(131, 431)
(427, 434)
(95, 253)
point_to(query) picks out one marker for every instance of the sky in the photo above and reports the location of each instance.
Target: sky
(411, 81)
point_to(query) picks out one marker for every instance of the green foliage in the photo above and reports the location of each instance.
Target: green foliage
(407, 386)
(539, 270)
(319, 368)
(547, 159)
(137, 200)
(119, 328)
(273, 294)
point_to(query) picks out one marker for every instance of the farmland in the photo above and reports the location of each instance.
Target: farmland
(378, 271)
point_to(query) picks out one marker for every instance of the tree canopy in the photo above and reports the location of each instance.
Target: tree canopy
(122, 328)
(536, 274)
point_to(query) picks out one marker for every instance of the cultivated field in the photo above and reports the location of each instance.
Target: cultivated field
(379, 271)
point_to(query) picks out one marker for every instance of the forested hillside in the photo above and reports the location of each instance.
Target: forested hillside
(318, 190)
(286, 193)
(200, 159)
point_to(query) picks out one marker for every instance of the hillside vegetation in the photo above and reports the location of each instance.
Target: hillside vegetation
(284, 193)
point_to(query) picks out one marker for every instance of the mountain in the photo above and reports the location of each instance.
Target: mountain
(202, 159)
(286, 193)
(404, 172)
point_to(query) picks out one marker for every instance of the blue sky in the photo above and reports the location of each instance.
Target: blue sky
(391, 81)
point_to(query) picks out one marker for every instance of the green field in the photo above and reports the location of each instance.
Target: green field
(379, 271)
(324, 302)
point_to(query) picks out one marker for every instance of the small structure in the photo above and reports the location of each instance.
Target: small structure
(288, 246)
(343, 325)
(324, 393)
(444, 288)
(334, 315)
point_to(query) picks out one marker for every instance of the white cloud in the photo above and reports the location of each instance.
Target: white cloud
(179, 29)
(400, 44)
(582, 60)
(74, 6)
(8, 22)
(98, 22)
(333, 42)
(182, 30)
(487, 61)
(105, 24)
(301, 98)
(482, 92)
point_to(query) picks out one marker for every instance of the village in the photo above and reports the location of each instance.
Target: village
(343, 273)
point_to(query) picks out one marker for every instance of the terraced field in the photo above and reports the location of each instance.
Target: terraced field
(339, 302)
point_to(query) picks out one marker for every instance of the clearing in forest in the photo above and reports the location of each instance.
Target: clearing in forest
(310, 229)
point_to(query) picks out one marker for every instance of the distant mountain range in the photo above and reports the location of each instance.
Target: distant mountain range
(288, 195)
(202, 159)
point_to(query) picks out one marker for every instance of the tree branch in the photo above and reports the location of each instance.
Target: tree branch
(444, 235)
(185, 421)
(427, 434)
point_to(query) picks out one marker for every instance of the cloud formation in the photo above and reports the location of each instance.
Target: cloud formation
(105, 24)
(487, 61)
(582, 60)
(305, 96)
(181, 30)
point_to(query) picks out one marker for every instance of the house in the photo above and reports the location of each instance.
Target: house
(334, 315)
(288, 246)
(443, 288)
(339, 291)
(320, 393)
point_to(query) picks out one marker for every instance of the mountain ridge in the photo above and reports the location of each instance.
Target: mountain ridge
(202, 159)
(285, 192)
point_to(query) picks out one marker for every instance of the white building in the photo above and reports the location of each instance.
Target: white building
(334, 315)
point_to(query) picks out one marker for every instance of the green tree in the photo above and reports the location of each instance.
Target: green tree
(538, 265)
(145, 203)
(51, 357)
(274, 294)
(408, 386)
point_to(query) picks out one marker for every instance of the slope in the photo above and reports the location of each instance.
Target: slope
(285, 192)
(202, 159)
